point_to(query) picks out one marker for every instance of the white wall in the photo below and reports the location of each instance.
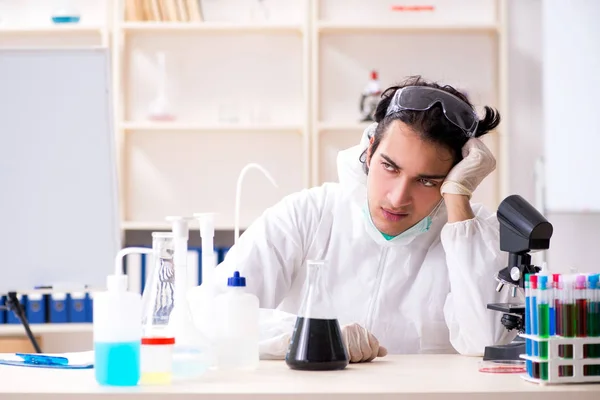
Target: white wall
(575, 235)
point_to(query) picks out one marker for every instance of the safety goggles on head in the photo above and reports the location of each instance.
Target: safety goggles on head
(421, 98)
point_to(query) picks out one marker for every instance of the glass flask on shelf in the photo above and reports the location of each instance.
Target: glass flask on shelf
(316, 343)
(160, 108)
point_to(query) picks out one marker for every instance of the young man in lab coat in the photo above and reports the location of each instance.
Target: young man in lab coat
(411, 260)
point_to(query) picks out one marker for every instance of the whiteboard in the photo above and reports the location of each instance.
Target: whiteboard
(58, 203)
(571, 88)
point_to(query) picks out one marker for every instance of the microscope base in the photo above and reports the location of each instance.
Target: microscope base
(504, 352)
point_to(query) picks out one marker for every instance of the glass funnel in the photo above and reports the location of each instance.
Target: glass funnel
(316, 342)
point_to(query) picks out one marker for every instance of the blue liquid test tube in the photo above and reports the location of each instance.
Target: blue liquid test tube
(528, 342)
(534, 324)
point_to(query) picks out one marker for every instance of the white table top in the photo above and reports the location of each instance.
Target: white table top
(421, 377)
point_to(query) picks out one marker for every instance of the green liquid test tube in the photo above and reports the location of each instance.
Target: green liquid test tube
(593, 323)
(543, 322)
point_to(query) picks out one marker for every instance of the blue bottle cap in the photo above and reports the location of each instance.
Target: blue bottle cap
(236, 280)
(593, 281)
(543, 281)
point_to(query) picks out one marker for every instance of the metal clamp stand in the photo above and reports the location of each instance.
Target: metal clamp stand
(13, 304)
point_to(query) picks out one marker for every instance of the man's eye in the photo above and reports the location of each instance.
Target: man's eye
(428, 183)
(387, 166)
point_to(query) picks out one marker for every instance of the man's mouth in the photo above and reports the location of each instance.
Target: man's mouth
(394, 216)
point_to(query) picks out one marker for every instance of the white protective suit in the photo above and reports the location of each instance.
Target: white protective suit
(423, 294)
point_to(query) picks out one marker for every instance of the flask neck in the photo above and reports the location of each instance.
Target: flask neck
(317, 303)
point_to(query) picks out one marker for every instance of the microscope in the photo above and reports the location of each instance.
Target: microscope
(522, 230)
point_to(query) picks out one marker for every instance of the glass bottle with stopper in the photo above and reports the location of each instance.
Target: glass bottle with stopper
(316, 343)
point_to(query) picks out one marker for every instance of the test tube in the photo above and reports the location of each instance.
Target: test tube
(581, 311)
(581, 307)
(528, 342)
(554, 305)
(593, 321)
(543, 322)
(568, 322)
(534, 324)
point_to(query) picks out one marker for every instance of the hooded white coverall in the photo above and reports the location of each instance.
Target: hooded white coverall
(422, 294)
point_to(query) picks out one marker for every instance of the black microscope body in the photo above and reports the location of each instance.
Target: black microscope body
(522, 230)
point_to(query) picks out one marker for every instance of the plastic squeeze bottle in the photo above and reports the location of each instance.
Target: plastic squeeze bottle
(237, 326)
(117, 331)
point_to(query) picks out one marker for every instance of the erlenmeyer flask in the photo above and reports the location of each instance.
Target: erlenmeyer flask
(316, 343)
(158, 296)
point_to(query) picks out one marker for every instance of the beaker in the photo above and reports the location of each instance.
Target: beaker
(316, 343)
(158, 296)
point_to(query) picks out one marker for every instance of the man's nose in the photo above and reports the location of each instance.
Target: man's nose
(400, 195)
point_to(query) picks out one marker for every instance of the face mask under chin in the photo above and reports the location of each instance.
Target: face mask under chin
(417, 229)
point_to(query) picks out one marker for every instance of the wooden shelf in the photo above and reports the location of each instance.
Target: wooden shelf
(222, 27)
(351, 127)
(145, 226)
(187, 127)
(50, 30)
(165, 226)
(17, 329)
(336, 27)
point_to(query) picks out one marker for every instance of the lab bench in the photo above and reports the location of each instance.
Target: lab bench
(406, 377)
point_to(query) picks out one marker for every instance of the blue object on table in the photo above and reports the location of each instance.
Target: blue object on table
(44, 361)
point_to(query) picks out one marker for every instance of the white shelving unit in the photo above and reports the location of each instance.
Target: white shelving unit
(223, 65)
(27, 23)
(344, 28)
(282, 91)
(292, 83)
(51, 30)
(39, 329)
(210, 27)
(190, 127)
(460, 43)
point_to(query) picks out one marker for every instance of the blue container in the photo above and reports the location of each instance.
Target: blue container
(89, 312)
(2, 310)
(118, 363)
(35, 311)
(11, 317)
(77, 307)
(59, 308)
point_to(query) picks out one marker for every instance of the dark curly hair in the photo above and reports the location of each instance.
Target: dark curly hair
(431, 124)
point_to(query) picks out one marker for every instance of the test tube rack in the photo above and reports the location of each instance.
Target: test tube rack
(555, 362)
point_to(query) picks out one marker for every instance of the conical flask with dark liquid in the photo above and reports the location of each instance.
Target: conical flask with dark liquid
(316, 343)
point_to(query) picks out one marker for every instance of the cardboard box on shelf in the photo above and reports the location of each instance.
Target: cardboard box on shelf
(17, 344)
